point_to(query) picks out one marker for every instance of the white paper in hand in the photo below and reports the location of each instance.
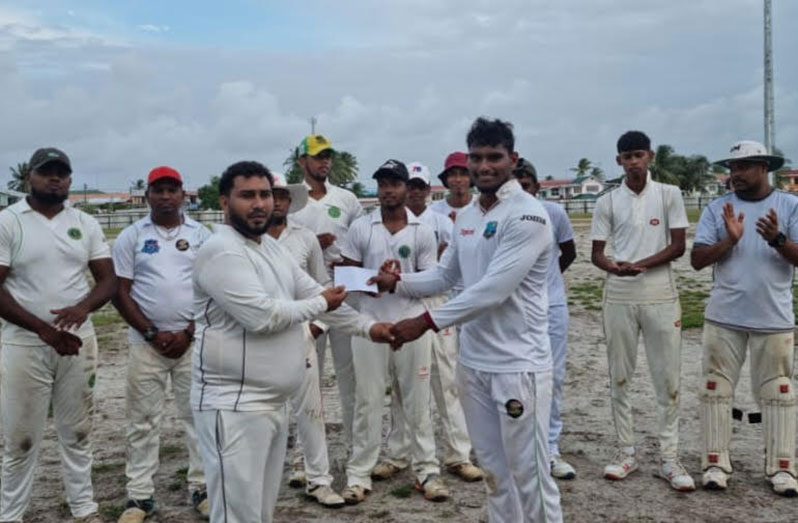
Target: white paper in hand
(355, 278)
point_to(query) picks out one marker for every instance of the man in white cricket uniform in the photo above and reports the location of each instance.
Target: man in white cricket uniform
(390, 232)
(457, 447)
(310, 449)
(252, 305)
(456, 178)
(49, 350)
(527, 176)
(329, 213)
(647, 222)
(500, 249)
(154, 259)
(750, 237)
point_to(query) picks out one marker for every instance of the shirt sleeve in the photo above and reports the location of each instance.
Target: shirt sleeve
(316, 267)
(98, 244)
(563, 231)
(229, 277)
(441, 277)
(520, 246)
(124, 253)
(445, 228)
(706, 232)
(7, 236)
(677, 216)
(792, 222)
(601, 225)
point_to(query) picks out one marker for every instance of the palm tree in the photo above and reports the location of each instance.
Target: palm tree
(19, 177)
(343, 171)
(582, 168)
(293, 171)
(665, 167)
(597, 173)
(139, 184)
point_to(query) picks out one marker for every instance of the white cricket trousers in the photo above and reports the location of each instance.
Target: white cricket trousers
(311, 442)
(411, 366)
(32, 377)
(512, 450)
(147, 376)
(456, 445)
(558, 339)
(341, 347)
(243, 453)
(661, 326)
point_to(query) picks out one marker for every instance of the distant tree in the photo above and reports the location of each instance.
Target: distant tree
(209, 194)
(582, 167)
(779, 177)
(293, 171)
(549, 178)
(665, 166)
(597, 173)
(359, 189)
(19, 177)
(344, 168)
(140, 184)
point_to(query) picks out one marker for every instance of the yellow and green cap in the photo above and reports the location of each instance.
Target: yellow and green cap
(314, 144)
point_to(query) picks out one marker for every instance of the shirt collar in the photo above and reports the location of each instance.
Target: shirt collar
(188, 222)
(376, 217)
(507, 189)
(648, 184)
(228, 231)
(308, 187)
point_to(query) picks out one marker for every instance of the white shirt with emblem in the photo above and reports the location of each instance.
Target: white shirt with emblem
(639, 225)
(502, 255)
(333, 213)
(161, 270)
(252, 302)
(441, 225)
(443, 207)
(370, 243)
(48, 261)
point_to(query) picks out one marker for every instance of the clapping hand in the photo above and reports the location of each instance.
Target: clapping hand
(768, 226)
(734, 224)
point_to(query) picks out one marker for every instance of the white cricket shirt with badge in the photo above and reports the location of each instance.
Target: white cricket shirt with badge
(639, 225)
(441, 225)
(48, 259)
(370, 243)
(304, 247)
(563, 232)
(160, 265)
(333, 213)
(752, 285)
(502, 255)
(443, 207)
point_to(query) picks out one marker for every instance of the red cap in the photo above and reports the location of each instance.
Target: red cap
(456, 159)
(159, 173)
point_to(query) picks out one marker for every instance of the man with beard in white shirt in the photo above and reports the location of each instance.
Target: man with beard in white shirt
(329, 213)
(457, 447)
(310, 449)
(252, 304)
(500, 251)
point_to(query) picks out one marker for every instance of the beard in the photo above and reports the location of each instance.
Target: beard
(48, 198)
(240, 224)
(277, 220)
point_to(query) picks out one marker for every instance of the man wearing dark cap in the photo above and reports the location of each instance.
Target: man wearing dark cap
(454, 177)
(49, 349)
(154, 259)
(647, 222)
(392, 232)
(750, 237)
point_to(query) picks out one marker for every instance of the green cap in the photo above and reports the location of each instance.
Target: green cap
(314, 144)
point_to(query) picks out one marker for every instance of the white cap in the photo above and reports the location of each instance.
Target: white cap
(418, 171)
(297, 191)
(754, 151)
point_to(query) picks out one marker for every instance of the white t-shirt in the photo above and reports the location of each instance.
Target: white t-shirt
(306, 251)
(333, 213)
(48, 259)
(752, 287)
(370, 243)
(443, 207)
(440, 225)
(640, 226)
(502, 255)
(161, 272)
(561, 227)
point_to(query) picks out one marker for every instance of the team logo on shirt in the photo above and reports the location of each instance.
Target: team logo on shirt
(333, 211)
(466, 232)
(514, 408)
(404, 251)
(150, 247)
(654, 221)
(74, 233)
(182, 244)
(490, 229)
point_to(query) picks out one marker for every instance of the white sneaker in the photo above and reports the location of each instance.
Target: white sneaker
(622, 465)
(784, 484)
(325, 495)
(561, 469)
(715, 479)
(297, 479)
(673, 472)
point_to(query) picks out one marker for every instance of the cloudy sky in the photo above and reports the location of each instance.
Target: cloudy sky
(125, 86)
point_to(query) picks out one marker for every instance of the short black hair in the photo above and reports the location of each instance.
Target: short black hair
(491, 133)
(247, 169)
(633, 141)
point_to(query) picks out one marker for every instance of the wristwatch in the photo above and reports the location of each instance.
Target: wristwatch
(778, 241)
(150, 333)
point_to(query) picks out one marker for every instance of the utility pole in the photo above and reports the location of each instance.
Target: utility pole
(769, 127)
(313, 121)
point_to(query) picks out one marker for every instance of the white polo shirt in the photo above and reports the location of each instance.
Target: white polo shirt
(160, 269)
(48, 259)
(441, 225)
(304, 247)
(502, 255)
(333, 213)
(443, 207)
(370, 243)
(561, 228)
(639, 225)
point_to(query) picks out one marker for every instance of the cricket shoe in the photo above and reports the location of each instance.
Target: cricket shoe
(622, 465)
(385, 470)
(325, 496)
(199, 500)
(297, 479)
(354, 494)
(715, 478)
(561, 469)
(136, 511)
(672, 471)
(466, 471)
(784, 484)
(433, 488)
(91, 518)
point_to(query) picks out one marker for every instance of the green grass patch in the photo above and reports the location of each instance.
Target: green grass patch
(106, 316)
(103, 468)
(402, 492)
(172, 449)
(693, 215)
(693, 303)
(112, 510)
